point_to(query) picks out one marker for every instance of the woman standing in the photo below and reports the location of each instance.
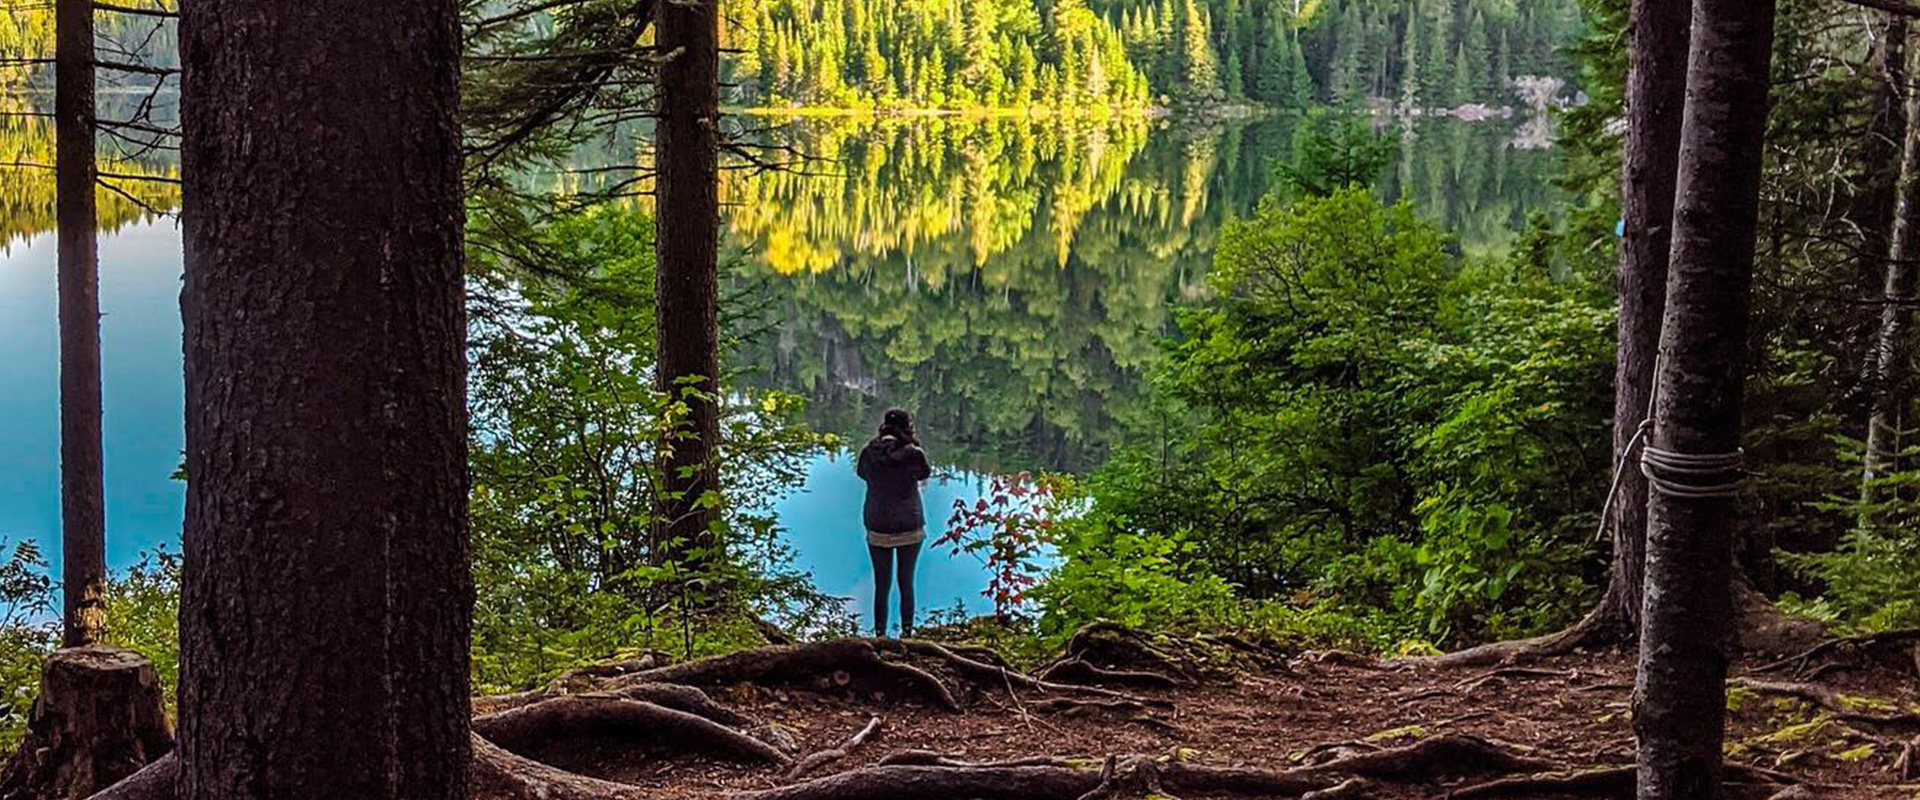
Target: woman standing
(893, 465)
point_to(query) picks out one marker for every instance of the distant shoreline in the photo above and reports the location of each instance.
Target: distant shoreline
(1020, 112)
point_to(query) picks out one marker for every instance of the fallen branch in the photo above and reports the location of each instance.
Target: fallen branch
(825, 757)
(601, 717)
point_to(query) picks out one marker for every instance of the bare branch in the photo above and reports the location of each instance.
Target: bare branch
(141, 12)
(142, 69)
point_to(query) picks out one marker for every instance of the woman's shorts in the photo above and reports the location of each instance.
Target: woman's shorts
(908, 539)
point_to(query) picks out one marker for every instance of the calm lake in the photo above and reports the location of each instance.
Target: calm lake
(1007, 280)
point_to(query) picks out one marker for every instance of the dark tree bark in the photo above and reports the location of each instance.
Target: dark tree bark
(83, 566)
(687, 230)
(1680, 696)
(326, 598)
(1893, 347)
(1656, 96)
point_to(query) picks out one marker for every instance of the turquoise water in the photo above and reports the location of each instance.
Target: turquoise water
(140, 378)
(140, 267)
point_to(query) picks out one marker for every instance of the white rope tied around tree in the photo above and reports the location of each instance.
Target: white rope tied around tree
(1679, 468)
(1691, 475)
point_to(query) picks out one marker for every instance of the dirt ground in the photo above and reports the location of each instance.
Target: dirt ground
(1286, 713)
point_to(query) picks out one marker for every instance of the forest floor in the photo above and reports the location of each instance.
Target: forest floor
(1259, 724)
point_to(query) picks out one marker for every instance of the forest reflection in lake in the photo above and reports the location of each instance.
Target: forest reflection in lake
(1009, 278)
(1012, 279)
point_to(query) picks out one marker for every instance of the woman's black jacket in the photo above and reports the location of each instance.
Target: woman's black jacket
(893, 472)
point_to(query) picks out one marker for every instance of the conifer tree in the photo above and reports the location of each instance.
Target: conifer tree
(1300, 92)
(1197, 59)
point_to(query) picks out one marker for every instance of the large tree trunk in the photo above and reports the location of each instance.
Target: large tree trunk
(1656, 97)
(687, 229)
(1679, 709)
(326, 598)
(1893, 348)
(83, 572)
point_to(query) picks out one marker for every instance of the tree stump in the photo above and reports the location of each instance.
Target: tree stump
(99, 718)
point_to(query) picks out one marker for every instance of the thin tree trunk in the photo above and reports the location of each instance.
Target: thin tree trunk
(326, 598)
(1656, 97)
(687, 225)
(83, 567)
(1679, 708)
(1893, 348)
(1872, 208)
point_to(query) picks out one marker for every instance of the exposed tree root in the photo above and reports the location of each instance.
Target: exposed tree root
(928, 758)
(914, 782)
(995, 675)
(1904, 645)
(848, 662)
(1763, 631)
(1603, 782)
(914, 775)
(493, 703)
(1449, 754)
(1467, 686)
(159, 780)
(614, 669)
(598, 718)
(825, 757)
(1608, 782)
(1125, 780)
(1236, 780)
(1596, 629)
(1345, 658)
(498, 774)
(1829, 700)
(1083, 673)
(1119, 709)
(1349, 789)
(685, 698)
(983, 654)
(672, 695)
(1118, 647)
